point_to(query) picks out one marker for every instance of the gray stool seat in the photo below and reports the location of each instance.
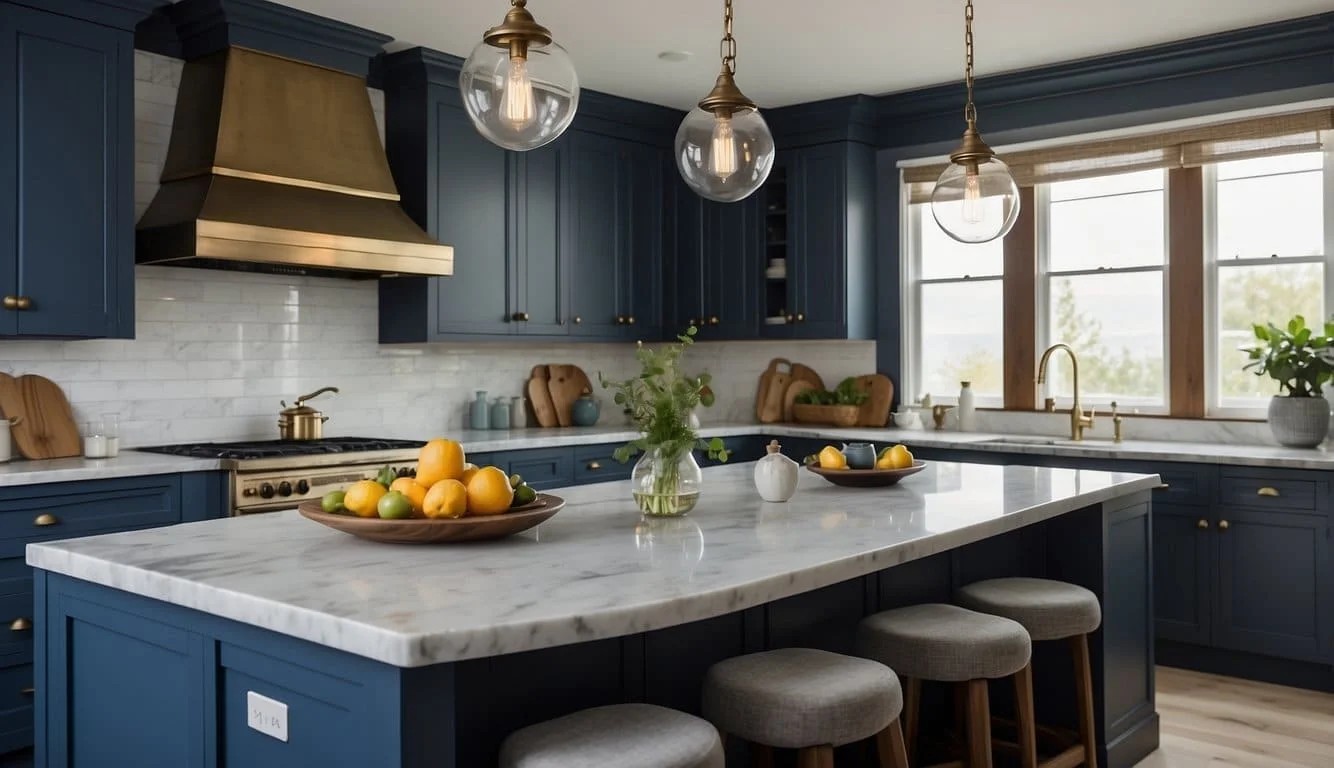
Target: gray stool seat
(1049, 610)
(937, 641)
(616, 736)
(801, 697)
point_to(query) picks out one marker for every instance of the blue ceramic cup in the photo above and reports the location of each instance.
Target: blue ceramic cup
(860, 455)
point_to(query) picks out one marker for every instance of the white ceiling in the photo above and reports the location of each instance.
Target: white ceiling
(792, 51)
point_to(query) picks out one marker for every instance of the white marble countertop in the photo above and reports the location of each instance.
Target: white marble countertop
(592, 571)
(132, 463)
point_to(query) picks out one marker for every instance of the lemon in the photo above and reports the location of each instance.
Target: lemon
(898, 457)
(415, 492)
(489, 492)
(446, 499)
(362, 497)
(440, 459)
(832, 458)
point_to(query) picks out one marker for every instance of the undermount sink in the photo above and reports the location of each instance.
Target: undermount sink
(1063, 442)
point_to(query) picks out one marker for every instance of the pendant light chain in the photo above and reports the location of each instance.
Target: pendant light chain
(969, 111)
(727, 48)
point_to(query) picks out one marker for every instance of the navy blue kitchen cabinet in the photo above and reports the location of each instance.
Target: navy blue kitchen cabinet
(615, 237)
(1182, 573)
(819, 220)
(717, 259)
(66, 173)
(537, 208)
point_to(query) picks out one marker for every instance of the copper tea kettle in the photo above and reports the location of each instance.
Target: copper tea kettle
(300, 421)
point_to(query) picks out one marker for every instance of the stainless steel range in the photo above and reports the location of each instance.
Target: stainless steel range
(270, 475)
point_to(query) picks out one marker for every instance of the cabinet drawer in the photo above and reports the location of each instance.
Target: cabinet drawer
(595, 464)
(16, 629)
(62, 511)
(1182, 485)
(545, 468)
(15, 687)
(1268, 493)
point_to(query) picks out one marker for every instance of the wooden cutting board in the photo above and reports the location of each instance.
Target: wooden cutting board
(566, 383)
(769, 396)
(790, 396)
(11, 406)
(48, 430)
(875, 411)
(806, 373)
(539, 398)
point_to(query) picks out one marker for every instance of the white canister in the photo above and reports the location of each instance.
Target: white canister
(6, 448)
(776, 475)
(967, 413)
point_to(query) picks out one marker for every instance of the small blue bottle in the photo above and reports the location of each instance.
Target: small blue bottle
(480, 412)
(500, 414)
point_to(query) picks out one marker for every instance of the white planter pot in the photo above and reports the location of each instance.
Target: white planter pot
(1299, 422)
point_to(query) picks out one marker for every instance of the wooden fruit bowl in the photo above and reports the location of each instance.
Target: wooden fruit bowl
(426, 531)
(866, 478)
(833, 415)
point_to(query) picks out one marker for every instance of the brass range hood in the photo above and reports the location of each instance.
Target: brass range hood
(276, 165)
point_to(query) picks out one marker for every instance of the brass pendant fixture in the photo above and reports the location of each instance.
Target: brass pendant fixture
(724, 149)
(975, 199)
(518, 86)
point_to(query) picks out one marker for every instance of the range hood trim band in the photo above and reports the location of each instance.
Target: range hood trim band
(217, 170)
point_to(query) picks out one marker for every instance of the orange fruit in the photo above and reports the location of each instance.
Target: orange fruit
(469, 470)
(489, 492)
(446, 499)
(362, 497)
(440, 459)
(415, 493)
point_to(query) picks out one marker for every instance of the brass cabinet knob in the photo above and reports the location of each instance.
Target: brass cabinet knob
(801, 318)
(1163, 487)
(25, 302)
(45, 519)
(594, 465)
(18, 302)
(1268, 491)
(578, 319)
(21, 624)
(1223, 525)
(1202, 524)
(620, 319)
(713, 320)
(791, 319)
(28, 691)
(629, 319)
(519, 316)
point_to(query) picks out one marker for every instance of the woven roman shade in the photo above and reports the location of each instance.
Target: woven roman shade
(1182, 148)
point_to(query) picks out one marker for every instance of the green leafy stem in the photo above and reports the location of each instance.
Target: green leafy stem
(1299, 358)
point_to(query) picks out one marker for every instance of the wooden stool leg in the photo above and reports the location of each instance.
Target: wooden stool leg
(816, 757)
(979, 725)
(912, 707)
(1025, 721)
(1088, 732)
(761, 756)
(889, 742)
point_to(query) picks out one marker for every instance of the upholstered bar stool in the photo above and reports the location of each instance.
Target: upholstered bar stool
(616, 736)
(807, 700)
(946, 643)
(1049, 610)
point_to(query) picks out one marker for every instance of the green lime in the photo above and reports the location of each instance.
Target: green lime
(394, 506)
(516, 481)
(524, 494)
(333, 502)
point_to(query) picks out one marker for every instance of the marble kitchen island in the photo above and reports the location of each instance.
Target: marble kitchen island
(152, 645)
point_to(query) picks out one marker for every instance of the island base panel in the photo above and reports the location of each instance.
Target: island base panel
(119, 666)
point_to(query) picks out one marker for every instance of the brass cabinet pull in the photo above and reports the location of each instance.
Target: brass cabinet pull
(1269, 491)
(1202, 524)
(28, 691)
(791, 319)
(519, 316)
(45, 519)
(18, 302)
(595, 465)
(25, 302)
(1223, 525)
(21, 624)
(1162, 486)
(620, 319)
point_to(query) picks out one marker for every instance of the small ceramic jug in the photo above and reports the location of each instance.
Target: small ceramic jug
(500, 414)
(776, 475)
(859, 455)
(585, 411)
(481, 414)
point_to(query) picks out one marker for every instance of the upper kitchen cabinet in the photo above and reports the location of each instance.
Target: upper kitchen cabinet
(615, 237)
(818, 243)
(67, 169)
(717, 258)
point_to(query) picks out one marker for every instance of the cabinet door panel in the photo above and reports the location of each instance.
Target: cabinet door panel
(1181, 573)
(685, 280)
(1273, 583)
(642, 254)
(471, 197)
(597, 210)
(817, 269)
(731, 239)
(541, 285)
(68, 227)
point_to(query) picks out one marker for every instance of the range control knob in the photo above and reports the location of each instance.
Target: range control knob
(266, 491)
(302, 487)
(249, 492)
(284, 488)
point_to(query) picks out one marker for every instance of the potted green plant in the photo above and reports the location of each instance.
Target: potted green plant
(1301, 360)
(666, 480)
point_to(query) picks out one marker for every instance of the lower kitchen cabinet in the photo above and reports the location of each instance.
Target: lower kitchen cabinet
(1182, 557)
(1274, 582)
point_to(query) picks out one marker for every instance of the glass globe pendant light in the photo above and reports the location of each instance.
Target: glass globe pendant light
(975, 199)
(724, 150)
(519, 87)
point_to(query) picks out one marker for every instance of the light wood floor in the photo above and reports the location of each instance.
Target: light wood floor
(1221, 721)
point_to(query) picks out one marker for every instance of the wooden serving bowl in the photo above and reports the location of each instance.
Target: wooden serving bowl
(442, 531)
(866, 478)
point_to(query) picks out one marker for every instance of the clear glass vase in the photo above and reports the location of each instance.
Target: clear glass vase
(665, 483)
